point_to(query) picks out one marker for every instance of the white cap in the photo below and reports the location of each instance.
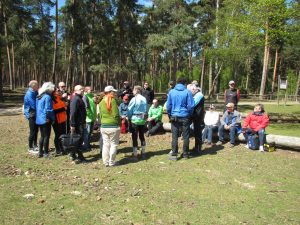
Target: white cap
(231, 82)
(109, 89)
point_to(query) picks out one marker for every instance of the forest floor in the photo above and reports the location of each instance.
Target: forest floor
(222, 186)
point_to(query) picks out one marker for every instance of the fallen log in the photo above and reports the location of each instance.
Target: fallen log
(279, 140)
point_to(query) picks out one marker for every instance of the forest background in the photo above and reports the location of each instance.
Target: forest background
(101, 42)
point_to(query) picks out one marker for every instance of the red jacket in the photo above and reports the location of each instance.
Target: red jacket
(256, 122)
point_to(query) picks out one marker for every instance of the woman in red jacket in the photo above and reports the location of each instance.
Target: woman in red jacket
(256, 122)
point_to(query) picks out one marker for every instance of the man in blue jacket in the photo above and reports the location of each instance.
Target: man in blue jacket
(180, 105)
(30, 114)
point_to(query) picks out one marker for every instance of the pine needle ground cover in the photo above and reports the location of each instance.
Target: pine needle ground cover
(222, 186)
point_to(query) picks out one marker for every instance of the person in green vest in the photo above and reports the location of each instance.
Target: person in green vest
(154, 118)
(91, 115)
(110, 126)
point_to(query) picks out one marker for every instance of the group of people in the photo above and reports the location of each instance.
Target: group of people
(77, 112)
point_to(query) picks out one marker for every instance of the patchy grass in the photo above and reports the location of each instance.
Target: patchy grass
(286, 129)
(273, 108)
(222, 186)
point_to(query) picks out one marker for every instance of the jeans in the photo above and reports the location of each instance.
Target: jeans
(177, 126)
(33, 132)
(88, 130)
(208, 132)
(110, 143)
(154, 126)
(261, 135)
(45, 130)
(232, 132)
(59, 129)
(135, 131)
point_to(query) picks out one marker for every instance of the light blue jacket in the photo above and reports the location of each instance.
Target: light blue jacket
(44, 109)
(180, 102)
(137, 109)
(29, 102)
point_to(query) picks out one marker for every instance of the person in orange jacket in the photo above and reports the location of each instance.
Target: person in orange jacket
(256, 122)
(59, 126)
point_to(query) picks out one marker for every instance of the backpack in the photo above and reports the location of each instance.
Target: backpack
(253, 141)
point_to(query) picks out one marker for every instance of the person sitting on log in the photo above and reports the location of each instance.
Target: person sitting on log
(212, 122)
(256, 122)
(154, 118)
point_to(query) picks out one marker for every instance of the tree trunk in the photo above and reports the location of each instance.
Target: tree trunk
(13, 66)
(8, 52)
(202, 69)
(55, 42)
(248, 71)
(275, 71)
(297, 91)
(210, 75)
(265, 66)
(174, 65)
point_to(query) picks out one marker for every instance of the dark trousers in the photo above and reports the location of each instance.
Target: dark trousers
(45, 131)
(180, 125)
(59, 129)
(154, 126)
(137, 130)
(198, 127)
(79, 130)
(33, 132)
(261, 135)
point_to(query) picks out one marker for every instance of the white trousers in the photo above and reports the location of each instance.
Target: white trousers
(110, 138)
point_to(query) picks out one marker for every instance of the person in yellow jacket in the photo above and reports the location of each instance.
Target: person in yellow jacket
(59, 125)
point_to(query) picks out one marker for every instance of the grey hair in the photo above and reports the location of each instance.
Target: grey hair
(138, 88)
(32, 83)
(47, 87)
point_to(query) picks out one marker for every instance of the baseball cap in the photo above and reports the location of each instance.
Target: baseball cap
(231, 82)
(230, 105)
(109, 89)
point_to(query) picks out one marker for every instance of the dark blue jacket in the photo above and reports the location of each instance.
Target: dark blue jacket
(44, 109)
(30, 102)
(123, 109)
(180, 102)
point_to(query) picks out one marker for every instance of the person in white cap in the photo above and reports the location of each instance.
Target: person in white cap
(230, 121)
(110, 126)
(232, 95)
(212, 122)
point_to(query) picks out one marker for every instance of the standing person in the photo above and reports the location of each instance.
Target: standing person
(77, 120)
(125, 90)
(66, 97)
(123, 111)
(230, 121)
(212, 122)
(91, 115)
(154, 118)
(45, 116)
(180, 104)
(198, 116)
(148, 93)
(172, 84)
(30, 114)
(110, 126)
(232, 95)
(59, 126)
(137, 110)
(257, 121)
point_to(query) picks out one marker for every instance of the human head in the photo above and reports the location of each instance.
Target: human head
(212, 107)
(259, 108)
(110, 89)
(34, 85)
(47, 87)
(125, 99)
(137, 90)
(155, 102)
(193, 88)
(195, 83)
(172, 84)
(230, 107)
(231, 84)
(126, 84)
(146, 85)
(78, 89)
(181, 80)
(88, 89)
(62, 86)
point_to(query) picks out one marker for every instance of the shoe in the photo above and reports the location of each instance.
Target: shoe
(33, 151)
(261, 148)
(114, 164)
(247, 146)
(147, 134)
(143, 156)
(58, 153)
(46, 155)
(231, 145)
(72, 157)
(40, 156)
(30, 150)
(173, 157)
(220, 143)
(36, 148)
(185, 156)
(205, 141)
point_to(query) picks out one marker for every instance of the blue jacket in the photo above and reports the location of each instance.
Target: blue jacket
(180, 102)
(123, 108)
(44, 109)
(29, 102)
(137, 109)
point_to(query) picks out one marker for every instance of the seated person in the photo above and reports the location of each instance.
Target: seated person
(256, 122)
(123, 110)
(230, 121)
(154, 118)
(212, 122)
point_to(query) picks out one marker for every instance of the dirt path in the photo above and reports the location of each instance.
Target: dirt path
(11, 111)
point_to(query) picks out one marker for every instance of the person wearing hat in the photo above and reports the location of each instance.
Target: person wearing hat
(212, 122)
(232, 95)
(231, 122)
(125, 90)
(110, 126)
(137, 109)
